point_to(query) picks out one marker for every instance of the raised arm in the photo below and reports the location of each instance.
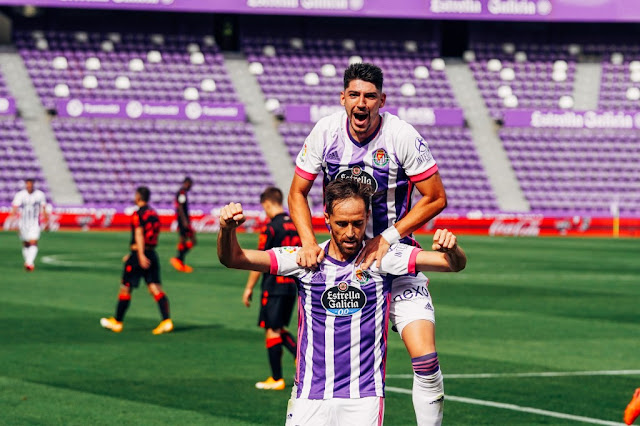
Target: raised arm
(310, 254)
(447, 256)
(230, 253)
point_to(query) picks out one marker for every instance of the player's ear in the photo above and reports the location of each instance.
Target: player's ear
(383, 99)
(326, 218)
(342, 98)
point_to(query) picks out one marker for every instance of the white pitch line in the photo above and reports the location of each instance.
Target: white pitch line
(57, 260)
(514, 407)
(537, 374)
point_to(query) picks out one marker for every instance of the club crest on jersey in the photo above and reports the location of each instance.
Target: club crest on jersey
(362, 276)
(343, 299)
(358, 174)
(380, 158)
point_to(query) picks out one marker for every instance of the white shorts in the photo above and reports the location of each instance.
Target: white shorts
(368, 411)
(410, 301)
(30, 233)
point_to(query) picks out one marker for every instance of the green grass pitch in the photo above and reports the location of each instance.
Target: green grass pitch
(522, 306)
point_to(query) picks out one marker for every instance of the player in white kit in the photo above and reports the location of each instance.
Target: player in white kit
(28, 204)
(343, 310)
(389, 154)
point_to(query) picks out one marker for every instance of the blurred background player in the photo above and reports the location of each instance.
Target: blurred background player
(633, 409)
(142, 262)
(186, 236)
(28, 204)
(278, 293)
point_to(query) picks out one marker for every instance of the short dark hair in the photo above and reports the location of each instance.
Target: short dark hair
(32, 180)
(342, 189)
(144, 193)
(365, 72)
(187, 180)
(272, 194)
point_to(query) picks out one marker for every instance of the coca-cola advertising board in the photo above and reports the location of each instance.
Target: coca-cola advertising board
(93, 219)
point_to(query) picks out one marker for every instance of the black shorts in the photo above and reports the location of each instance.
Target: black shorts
(275, 311)
(133, 272)
(185, 231)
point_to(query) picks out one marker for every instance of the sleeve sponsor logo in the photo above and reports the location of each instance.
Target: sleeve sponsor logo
(343, 300)
(286, 250)
(423, 149)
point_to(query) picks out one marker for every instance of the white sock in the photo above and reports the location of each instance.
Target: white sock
(32, 252)
(428, 398)
(25, 253)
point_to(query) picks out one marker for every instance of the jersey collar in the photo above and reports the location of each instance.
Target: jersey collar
(340, 262)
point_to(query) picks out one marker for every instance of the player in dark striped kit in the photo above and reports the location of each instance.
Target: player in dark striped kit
(187, 237)
(278, 294)
(142, 262)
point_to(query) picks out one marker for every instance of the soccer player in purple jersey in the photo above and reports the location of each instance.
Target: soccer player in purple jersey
(380, 149)
(343, 310)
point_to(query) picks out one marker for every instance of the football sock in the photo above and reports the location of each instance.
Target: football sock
(428, 390)
(25, 253)
(288, 342)
(31, 253)
(123, 304)
(163, 304)
(183, 249)
(274, 349)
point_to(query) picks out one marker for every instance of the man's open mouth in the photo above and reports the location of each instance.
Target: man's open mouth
(360, 116)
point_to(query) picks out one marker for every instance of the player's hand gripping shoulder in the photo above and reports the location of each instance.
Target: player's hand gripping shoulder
(309, 256)
(374, 250)
(231, 216)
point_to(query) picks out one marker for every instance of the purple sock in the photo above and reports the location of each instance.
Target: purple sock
(426, 365)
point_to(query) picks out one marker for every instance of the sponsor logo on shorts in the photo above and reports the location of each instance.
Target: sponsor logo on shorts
(343, 300)
(413, 293)
(356, 173)
(380, 158)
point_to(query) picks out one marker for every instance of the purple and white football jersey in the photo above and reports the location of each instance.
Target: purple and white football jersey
(391, 160)
(343, 314)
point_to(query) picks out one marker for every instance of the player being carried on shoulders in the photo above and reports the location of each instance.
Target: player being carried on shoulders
(363, 144)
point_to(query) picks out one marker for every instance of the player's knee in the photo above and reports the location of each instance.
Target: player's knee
(272, 333)
(189, 244)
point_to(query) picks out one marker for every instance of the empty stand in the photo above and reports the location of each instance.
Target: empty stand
(576, 171)
(124, 66)
(18, 161)
(109, 159)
